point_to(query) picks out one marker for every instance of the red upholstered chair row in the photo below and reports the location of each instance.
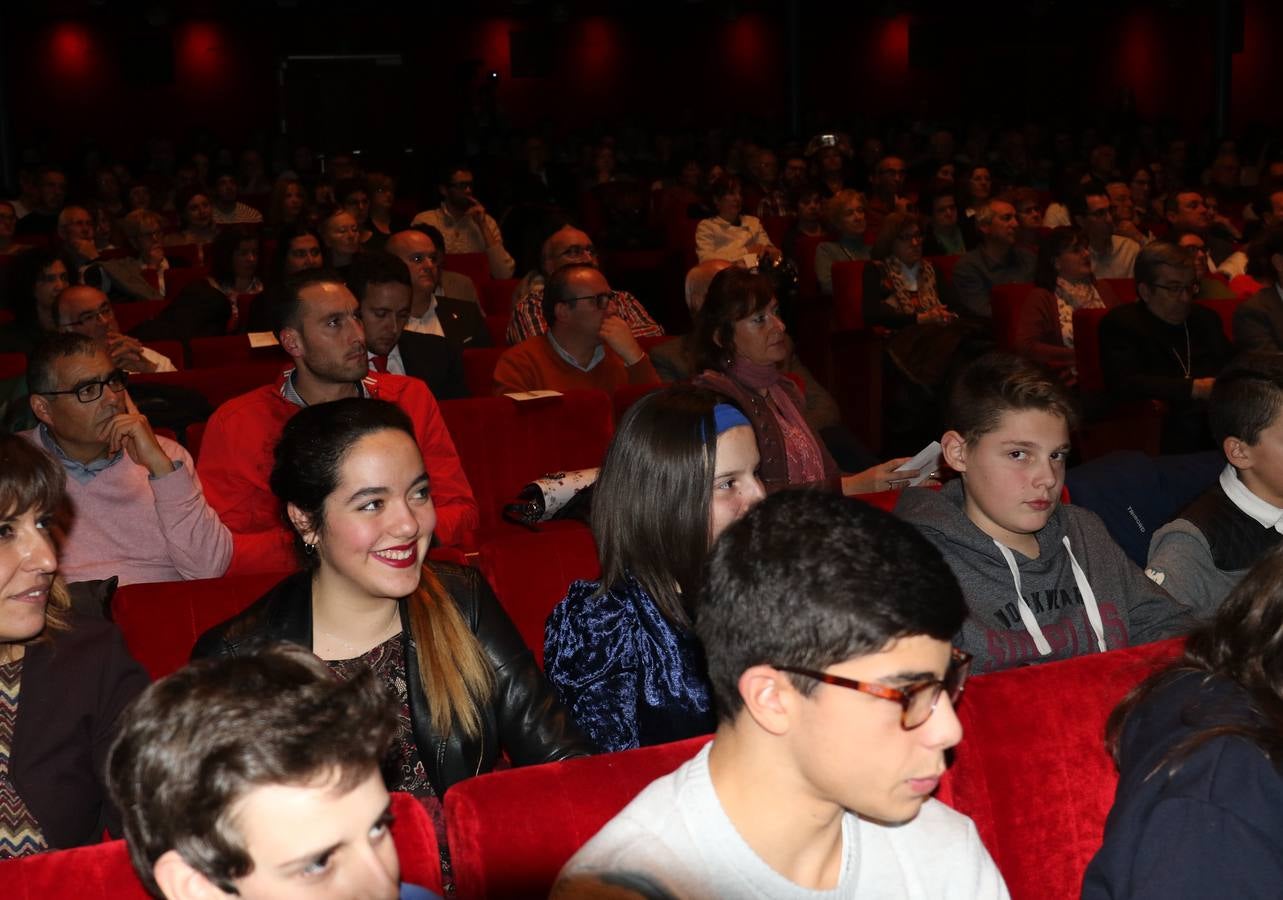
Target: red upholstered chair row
(511, 832)
(1031, 770)
(944, 265)
(505, 444)
(162, 621)
(130, 315)
(530, 574)
(103, 871)
(497, 325)
(233, 350)
(1124, 288)
(475, 265)
(218, 384)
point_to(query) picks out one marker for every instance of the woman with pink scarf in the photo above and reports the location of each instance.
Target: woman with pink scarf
(740, 345)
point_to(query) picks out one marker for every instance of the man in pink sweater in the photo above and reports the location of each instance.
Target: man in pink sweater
(138, 511)
(318, 326)
(586, 347)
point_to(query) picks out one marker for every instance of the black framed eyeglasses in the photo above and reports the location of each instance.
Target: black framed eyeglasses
(89, 391)
(917, 701)
(104, 313)
(601, 301)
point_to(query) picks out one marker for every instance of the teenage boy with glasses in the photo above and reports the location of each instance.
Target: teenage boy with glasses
(826, 625)
(139, 511)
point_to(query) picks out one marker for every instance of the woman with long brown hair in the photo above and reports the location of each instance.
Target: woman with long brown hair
(354, 488)
(1199, 748)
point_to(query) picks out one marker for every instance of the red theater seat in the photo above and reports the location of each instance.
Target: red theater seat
(808, 283)
(103, 871)
(498, 295)
(626, 396)
(1032, 770)
(511, 832)
(848, 294)
(478, 369)
(1124, 288)
(1225, 307)
(177, 279)
(233, 350)
(505, 444)
(218, 384)
(944, 266)
(161, 621)
(12, 365)
(475, 265)
(497, 326)
(530, 574)
(130, 315)
(171, 349)
(1007, 301)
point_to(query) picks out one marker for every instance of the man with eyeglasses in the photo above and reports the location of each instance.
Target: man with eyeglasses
(460, 321)
(566, 245)
(1165, 347)
(86, 310)
(467, 227)
(588, 347)
(138, 510)
(886, 194)
(1112, 255)
(834, 682)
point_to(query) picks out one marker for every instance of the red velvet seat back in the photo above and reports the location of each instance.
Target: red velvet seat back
(497, 327)
(626, 396)
(217, 385)
(504, 444)
(497, 296)
(1124, 288)
(161, 621)
(1091, 374)
(1224, 307)
(944, 266)
(848, 294)
(478, 369)
(103, 871)
(511, 832)
(233, 350)
(130, 315)
(530, 574)
(1032, 770)
(475, 265)
(178, 279)
(1007, 301)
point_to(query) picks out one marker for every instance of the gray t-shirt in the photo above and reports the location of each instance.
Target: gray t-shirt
(675, 841)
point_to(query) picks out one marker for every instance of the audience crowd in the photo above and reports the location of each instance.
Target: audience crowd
(1021, 299)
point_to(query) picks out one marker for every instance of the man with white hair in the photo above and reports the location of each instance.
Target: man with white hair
(996, 261)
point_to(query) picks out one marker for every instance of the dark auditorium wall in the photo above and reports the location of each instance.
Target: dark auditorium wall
(103, 75)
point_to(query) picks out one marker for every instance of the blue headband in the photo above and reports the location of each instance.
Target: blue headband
(726, 417)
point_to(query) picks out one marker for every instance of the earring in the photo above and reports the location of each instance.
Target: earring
(309, 549)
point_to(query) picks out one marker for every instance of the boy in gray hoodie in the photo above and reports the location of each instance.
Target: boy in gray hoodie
(1043, 581)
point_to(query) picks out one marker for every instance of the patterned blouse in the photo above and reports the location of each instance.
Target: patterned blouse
(19, 831)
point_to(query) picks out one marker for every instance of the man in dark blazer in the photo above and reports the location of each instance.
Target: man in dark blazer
(461, 322)
(381, 283)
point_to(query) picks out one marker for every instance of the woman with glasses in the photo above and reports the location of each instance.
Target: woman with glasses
(1045, 329)
(1199, 806)
(620, 651)
(65, 675)
(740, 344)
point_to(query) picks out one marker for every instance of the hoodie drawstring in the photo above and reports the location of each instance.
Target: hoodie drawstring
(1027, 615)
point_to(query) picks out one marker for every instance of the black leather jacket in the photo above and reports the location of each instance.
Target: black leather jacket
(524, 716)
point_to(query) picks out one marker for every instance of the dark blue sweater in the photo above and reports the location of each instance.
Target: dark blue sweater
(1213, 829)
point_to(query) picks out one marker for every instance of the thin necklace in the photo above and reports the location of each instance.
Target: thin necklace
(1187, 363)
(352, 648)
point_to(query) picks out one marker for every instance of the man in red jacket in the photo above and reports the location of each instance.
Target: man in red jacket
(317, 324)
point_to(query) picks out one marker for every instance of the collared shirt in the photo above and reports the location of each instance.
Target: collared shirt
(291, 394)
(395, 364)
(1266, 514)
(81, 473)
(428, 323)
(598, 354)
(527, 315)
(1118, 262)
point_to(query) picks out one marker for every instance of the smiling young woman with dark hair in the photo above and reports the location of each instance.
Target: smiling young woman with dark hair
(355, 490)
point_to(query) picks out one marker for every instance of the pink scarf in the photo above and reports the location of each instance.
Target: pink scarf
(802, 449)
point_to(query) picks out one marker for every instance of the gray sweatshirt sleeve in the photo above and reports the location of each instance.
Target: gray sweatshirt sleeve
(1180, 560)
(1152, 613)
